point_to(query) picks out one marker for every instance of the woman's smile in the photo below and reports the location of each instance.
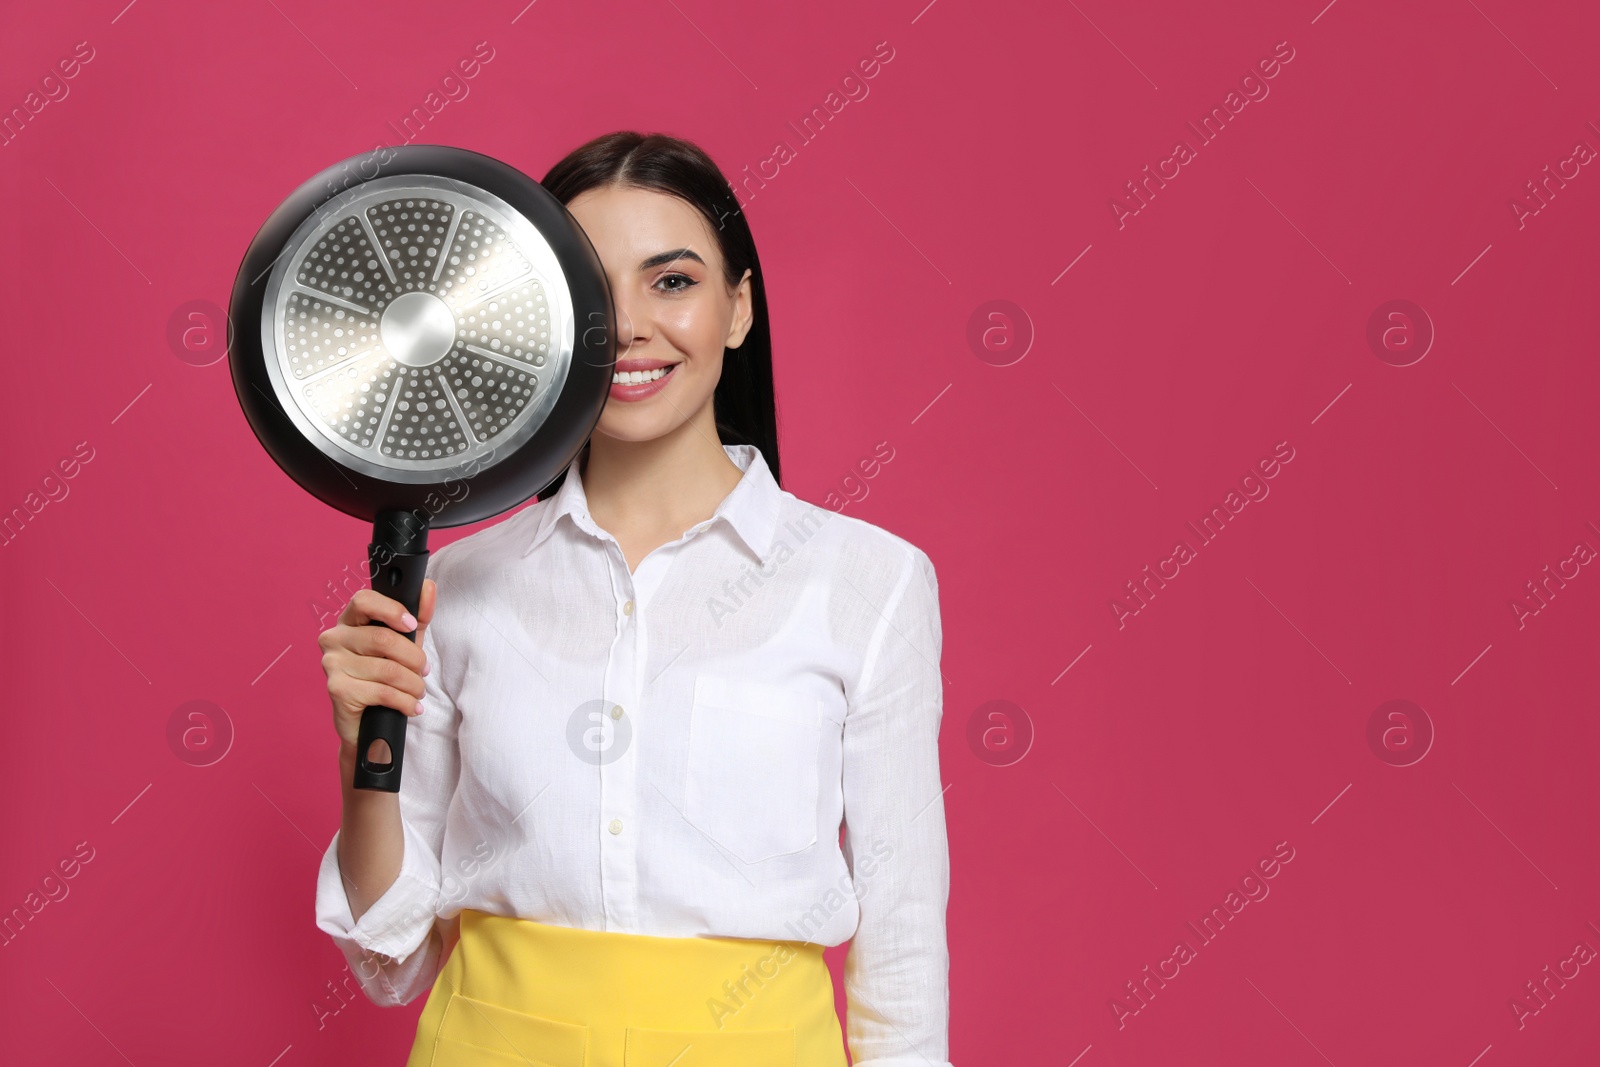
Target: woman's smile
(637, 379)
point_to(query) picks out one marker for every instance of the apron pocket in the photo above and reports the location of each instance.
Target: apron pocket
(708, 1048)
(475, 1031)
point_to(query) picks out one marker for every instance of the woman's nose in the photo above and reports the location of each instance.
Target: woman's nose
(631, 328)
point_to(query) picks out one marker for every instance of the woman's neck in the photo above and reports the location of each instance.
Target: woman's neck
(647, 493)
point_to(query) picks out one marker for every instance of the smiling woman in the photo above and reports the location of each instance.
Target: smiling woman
(676, 314)
(699, 767)
(686, 282)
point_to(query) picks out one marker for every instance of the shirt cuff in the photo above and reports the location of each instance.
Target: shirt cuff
(399, 921)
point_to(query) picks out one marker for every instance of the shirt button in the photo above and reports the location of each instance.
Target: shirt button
(616, 826)
(616, 713)
(627, 609)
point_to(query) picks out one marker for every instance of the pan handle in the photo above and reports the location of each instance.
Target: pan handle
(397, 561)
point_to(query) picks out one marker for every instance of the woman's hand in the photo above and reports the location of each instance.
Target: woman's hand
(374, 665)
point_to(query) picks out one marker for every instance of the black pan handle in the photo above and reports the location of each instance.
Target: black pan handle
(397, 561)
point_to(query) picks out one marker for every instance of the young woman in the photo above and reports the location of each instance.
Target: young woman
(642, 709)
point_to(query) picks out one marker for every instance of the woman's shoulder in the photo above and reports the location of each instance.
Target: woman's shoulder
(869, 570)
(854, 542)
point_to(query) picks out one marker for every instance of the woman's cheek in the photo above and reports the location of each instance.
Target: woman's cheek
(693, 331)
(686, 322)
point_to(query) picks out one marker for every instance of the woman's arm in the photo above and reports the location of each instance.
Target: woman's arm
(896, 974)
(372, 818)
(378, 888)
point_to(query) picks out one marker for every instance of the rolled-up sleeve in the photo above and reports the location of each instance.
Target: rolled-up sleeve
(896, 975)
(396, 949)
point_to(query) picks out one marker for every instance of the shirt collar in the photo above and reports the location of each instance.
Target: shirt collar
(751, 508)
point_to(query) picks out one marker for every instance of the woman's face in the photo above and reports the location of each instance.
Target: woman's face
(675, 311)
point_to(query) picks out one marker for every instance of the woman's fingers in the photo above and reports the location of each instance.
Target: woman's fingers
(387, 674)
(425, 604)
(384, 643)
(364, 695)
(356, 683)
(369, 605)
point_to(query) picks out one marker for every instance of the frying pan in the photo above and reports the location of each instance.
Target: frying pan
(423, 337)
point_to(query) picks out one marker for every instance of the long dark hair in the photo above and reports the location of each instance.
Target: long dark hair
(744, 405)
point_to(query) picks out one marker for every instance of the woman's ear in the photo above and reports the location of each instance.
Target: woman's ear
(743, 313)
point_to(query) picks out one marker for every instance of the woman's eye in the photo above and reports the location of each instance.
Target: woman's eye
(684, 278)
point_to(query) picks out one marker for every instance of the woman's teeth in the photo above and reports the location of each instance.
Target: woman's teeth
(638, 377)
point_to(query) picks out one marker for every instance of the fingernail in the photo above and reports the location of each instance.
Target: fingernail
(419, 707)
(426, 667)
(408, 621)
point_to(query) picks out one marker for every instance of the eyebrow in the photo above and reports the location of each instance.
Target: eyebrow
(667, 257)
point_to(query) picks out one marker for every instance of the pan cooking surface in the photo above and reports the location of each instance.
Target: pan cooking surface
(414, 321)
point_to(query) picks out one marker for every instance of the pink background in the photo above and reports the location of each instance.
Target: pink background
(1170, 752)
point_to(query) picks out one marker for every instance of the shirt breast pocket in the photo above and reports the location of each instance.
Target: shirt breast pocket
(753, 766)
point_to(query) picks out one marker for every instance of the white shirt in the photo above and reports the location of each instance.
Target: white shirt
(671, 751)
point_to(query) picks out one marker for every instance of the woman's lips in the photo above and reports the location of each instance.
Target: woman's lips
(638, 391)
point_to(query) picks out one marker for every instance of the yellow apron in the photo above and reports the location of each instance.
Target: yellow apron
(515, 992)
